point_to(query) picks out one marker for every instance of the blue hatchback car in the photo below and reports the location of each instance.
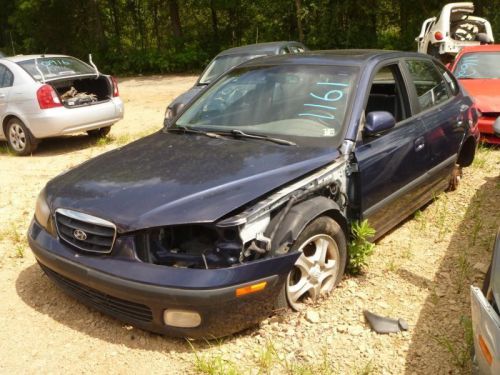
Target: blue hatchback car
(244, 204)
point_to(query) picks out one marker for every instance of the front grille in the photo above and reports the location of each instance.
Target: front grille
(100, 301)
(85, 232)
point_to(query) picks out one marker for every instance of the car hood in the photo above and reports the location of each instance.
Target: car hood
(486, 93)
(169, 179)
(186, 97)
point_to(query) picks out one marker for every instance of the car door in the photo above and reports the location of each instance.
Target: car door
(6, 81)
(391, 166)
(444, 114)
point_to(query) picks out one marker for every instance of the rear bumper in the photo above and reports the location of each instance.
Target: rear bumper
(486, 129)
(61, 120)
(485, 324)
(142, 297)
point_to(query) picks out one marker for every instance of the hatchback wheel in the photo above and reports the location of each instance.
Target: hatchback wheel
(99, 133)
(19, 138)
(320, 267)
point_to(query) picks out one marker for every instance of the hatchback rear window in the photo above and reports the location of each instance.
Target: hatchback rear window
(53, 67)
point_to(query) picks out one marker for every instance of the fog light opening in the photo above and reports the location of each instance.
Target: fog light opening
(486, 352)
(181, 318)
(251, 289)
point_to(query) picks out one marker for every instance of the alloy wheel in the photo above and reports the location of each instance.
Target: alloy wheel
(315, 272)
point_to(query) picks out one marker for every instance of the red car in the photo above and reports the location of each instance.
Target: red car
(478, 70)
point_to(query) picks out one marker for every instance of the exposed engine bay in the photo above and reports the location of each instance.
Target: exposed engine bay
(246, 236)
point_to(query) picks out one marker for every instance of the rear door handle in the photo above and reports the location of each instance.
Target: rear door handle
(419, 144)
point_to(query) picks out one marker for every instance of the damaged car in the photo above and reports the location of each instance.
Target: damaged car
(455, 28)
(243, 205)
(44, 96)
(485, 304)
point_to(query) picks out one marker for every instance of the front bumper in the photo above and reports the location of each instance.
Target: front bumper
(139, 293)
(485, 324)
(486, 129)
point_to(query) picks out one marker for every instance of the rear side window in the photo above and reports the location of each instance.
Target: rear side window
(6, 77)
(430, 85)
(452, 82)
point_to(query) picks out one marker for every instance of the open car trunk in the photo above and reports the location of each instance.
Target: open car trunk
(76, 92)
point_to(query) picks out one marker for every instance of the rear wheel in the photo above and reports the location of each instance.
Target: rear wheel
(99, 133)
(320, 267)
(19, 138)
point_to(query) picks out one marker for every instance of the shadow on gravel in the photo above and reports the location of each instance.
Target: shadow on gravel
(60, 145)
(441, 337)
(38, 292)
(66, 144)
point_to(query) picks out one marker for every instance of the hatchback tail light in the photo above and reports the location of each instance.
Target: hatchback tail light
(115, 87)
(47, 97)
(438, 35)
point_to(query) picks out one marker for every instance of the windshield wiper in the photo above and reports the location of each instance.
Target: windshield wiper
(185, 129)
(239, 133)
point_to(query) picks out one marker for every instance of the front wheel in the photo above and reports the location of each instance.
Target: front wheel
(319, 268)
(19, 138)
(99, 133)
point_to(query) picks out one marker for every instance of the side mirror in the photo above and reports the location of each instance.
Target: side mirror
(483, 38)
(496, 127)
(379, 121)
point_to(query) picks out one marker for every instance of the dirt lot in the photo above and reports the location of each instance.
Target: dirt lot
(420, 272)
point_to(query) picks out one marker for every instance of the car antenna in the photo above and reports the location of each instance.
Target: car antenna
(38, 69)
(93, 65)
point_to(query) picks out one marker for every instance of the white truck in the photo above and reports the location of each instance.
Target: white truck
(455, 28)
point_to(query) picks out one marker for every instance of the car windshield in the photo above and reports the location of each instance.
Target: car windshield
(52, 67)
(480, 65)
(222, 64)
(285, 100)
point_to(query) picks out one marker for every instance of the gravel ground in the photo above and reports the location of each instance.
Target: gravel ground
(420, 272)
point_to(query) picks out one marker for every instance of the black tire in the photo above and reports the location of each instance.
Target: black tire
(19, 138)
(320, 227)
(486, 282)
(99, 133)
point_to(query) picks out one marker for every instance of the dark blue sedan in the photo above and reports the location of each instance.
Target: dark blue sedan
(244, 204)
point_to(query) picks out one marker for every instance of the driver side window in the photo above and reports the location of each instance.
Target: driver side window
(387, 93)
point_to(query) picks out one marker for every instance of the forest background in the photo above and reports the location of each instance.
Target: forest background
(174, 36)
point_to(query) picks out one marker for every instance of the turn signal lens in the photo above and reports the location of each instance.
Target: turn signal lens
(250, 289)
(438, 35)
(485, 350)
(181, 318)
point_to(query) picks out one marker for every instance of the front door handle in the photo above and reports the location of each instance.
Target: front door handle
(419, 144)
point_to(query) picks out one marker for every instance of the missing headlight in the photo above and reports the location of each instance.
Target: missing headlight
(192, 246)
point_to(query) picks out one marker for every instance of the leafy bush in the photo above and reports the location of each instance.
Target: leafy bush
(360, 247)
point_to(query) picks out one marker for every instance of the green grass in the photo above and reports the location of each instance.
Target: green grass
(459, 351)
(5, 150)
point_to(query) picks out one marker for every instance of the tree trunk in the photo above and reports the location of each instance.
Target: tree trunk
(175, 19)
(298, 6)
(215, 27)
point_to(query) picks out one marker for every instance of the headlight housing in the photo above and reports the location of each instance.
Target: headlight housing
(42, 212)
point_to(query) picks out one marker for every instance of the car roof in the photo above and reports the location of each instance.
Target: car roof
(356, 57)
(269, 48)
(19, 58)
(481, 48)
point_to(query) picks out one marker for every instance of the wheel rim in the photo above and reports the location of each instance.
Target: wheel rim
(315, 272)
(17, 137)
